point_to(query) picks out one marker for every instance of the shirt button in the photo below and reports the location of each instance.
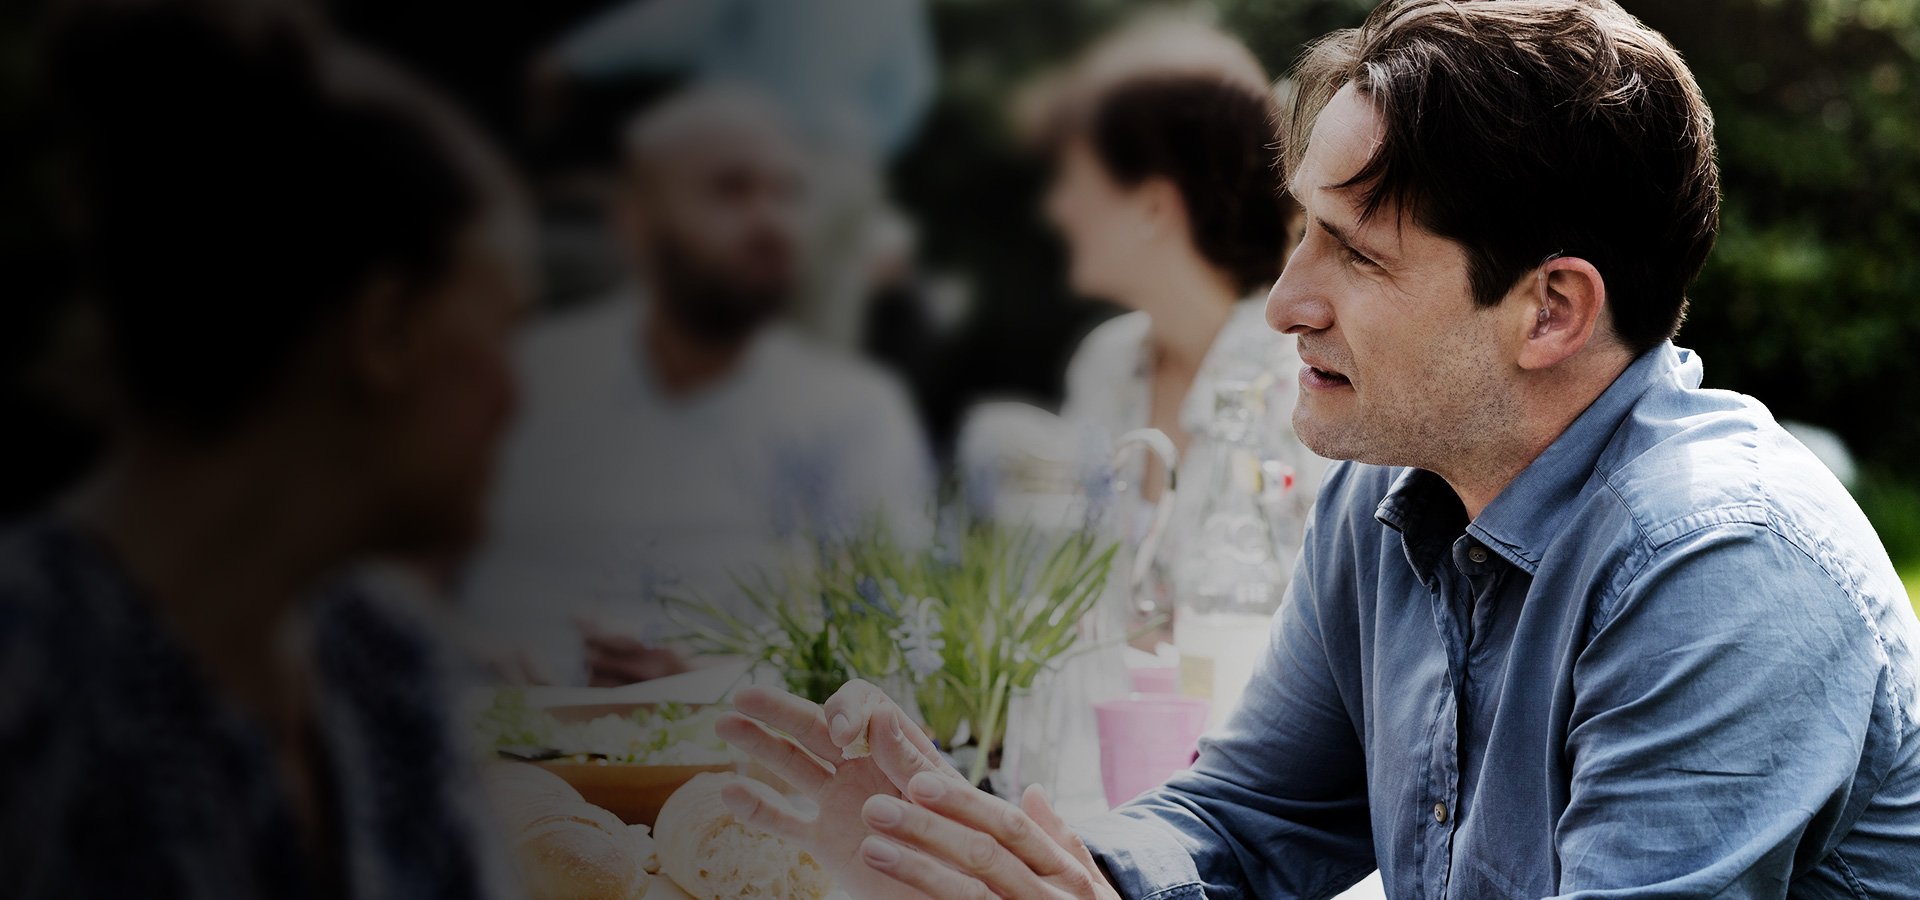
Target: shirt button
(1440, 812)
(1477, 554)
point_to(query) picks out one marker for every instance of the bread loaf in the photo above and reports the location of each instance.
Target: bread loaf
(712, 855)
(567, 848)
(514, 786)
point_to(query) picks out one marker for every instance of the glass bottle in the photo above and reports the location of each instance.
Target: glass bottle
(1234, 572)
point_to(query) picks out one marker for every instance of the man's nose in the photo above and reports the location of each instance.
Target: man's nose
(1297, 301)
(778, 215)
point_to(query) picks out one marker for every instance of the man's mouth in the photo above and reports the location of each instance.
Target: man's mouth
(1316, 378)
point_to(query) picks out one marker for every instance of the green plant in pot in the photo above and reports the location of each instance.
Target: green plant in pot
(951, 630)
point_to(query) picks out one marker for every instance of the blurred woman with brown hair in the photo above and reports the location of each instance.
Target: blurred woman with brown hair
(1166, 193)
(305, 270)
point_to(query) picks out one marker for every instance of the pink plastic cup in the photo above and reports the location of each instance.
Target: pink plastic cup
(1155, 679)
(1144, 739)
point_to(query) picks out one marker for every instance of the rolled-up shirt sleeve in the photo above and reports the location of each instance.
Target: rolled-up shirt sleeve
(1719, 722)
(1276, 804)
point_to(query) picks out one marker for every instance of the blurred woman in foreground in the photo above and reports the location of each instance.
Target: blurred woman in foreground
(1167, 196)
(304, 270)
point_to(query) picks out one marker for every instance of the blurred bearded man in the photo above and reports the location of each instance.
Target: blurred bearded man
(681, 436)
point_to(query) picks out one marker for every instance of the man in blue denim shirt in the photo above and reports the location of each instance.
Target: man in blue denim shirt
(1659, 663)
(1568, 625)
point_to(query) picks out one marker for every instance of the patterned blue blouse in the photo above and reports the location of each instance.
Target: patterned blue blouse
(122, 774)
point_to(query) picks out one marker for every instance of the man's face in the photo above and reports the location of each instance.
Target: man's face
(1402, 367)
(719, 232)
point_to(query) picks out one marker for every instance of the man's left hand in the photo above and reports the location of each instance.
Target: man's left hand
(955, 841)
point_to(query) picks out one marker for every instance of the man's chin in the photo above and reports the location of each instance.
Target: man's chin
(1328, 439)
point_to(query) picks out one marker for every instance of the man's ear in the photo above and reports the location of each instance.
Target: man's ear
(628, 221)
(1566, 302)
(380, 335)
(633, 214)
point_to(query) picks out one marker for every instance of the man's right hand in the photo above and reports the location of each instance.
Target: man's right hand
(804, 743)
(900, 822)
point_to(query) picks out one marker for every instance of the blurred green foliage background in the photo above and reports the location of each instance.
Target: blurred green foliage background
(1810, 302)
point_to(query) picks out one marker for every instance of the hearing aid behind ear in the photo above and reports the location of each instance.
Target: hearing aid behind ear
(1546, 311)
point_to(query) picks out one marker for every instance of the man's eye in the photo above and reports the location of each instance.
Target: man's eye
(1354, 257)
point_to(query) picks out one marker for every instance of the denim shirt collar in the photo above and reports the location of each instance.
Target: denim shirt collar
(1531, 512)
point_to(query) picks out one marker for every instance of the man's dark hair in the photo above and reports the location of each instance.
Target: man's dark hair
(1525, 129)
(1213, 138)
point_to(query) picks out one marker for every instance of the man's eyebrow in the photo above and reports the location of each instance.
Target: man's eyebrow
(1346, 237)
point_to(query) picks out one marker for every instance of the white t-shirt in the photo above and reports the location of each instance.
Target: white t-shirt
(612, 493)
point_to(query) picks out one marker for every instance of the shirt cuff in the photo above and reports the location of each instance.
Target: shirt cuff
(1141, 858)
